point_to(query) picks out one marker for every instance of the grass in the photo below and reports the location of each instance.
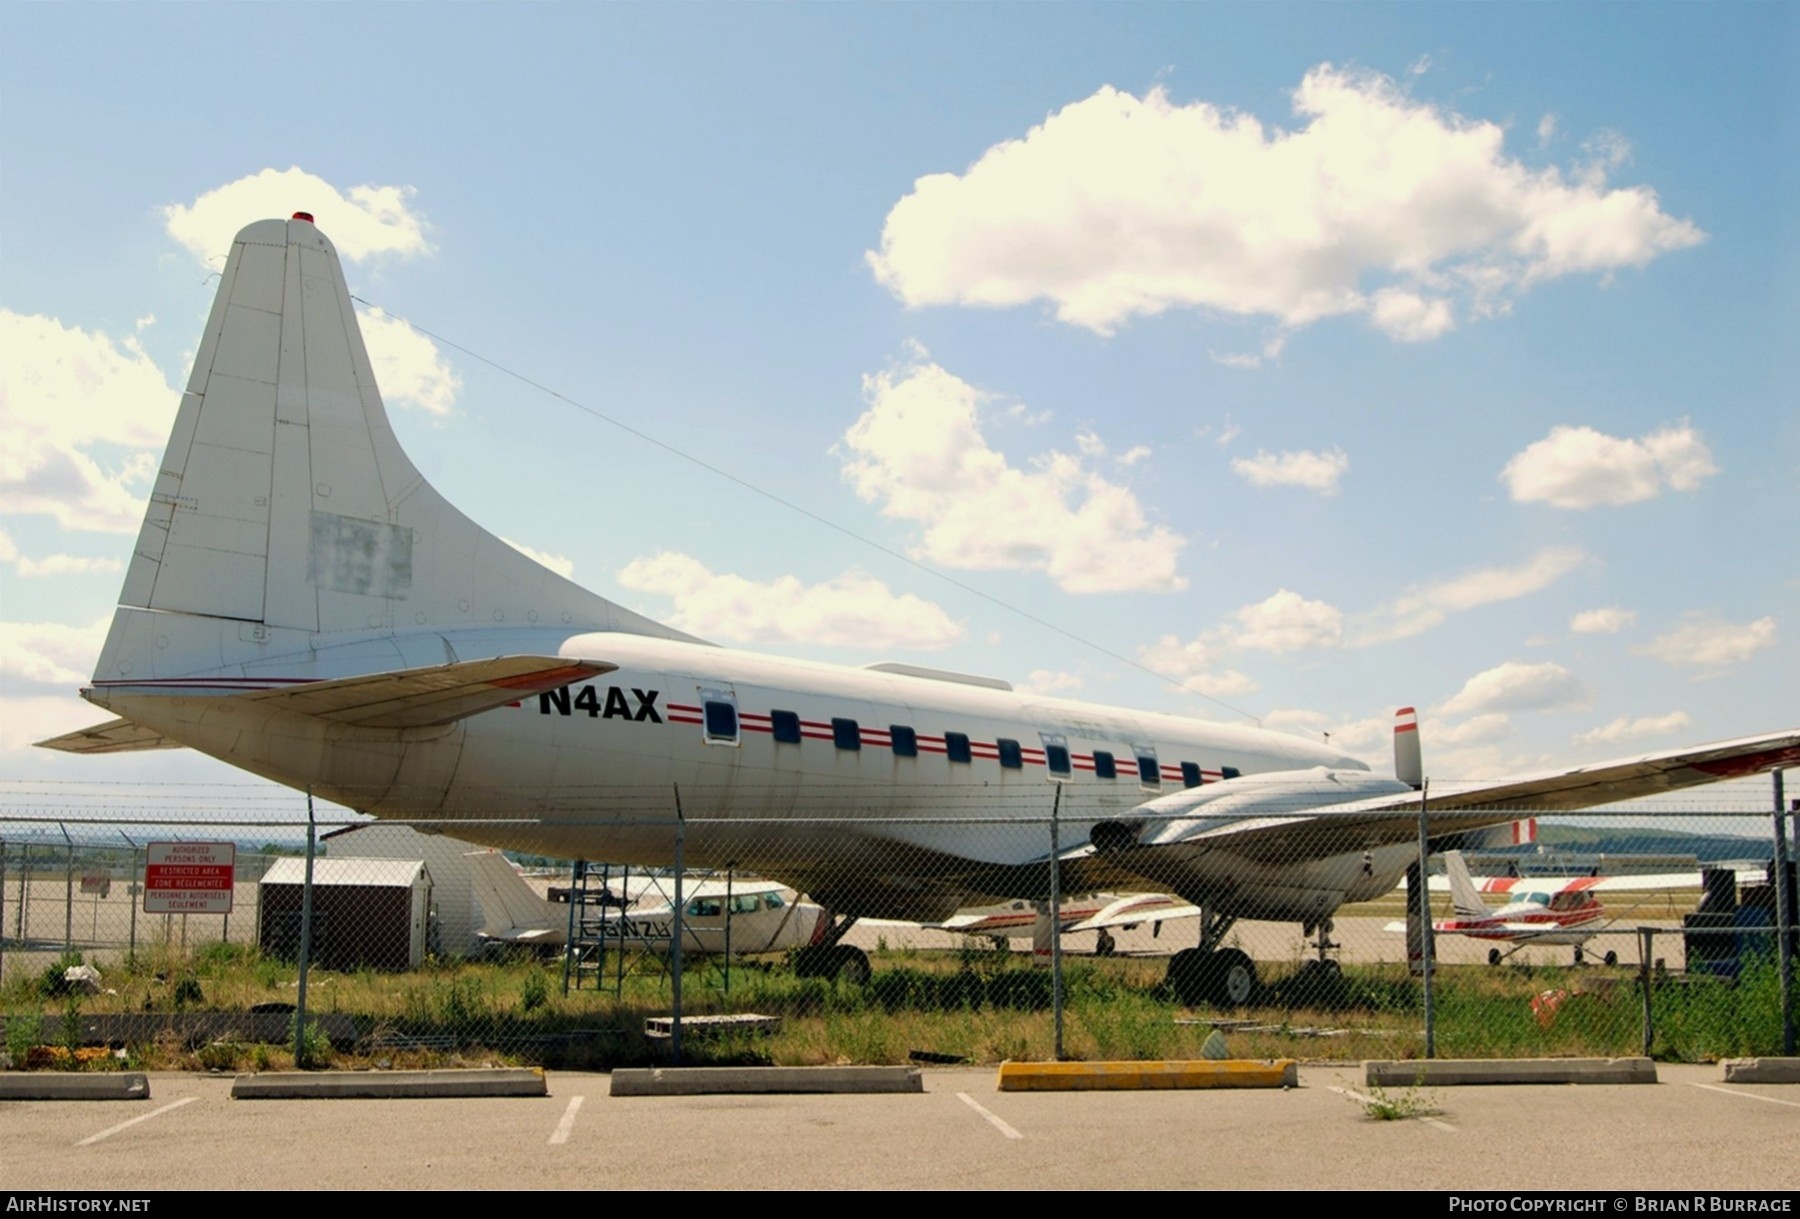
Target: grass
(970, 1005)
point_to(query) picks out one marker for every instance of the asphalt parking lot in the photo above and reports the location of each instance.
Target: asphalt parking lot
(1690, 1131)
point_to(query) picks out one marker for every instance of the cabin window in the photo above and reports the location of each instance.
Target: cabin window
(1149, 774)
(845, 734)
(1056, 755)
(745, 903)
(1104, 766)
(705, 907)
(1011, 756)
(786, 727)
(956, 746)
(1190, 774)
(1229, 772)
(772, 901)
(721, 720)
(905, 741)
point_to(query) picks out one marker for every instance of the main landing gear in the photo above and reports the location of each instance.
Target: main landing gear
(1223, 977)
(826, 958)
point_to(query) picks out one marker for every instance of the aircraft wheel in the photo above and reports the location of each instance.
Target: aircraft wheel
(1104, 945)
(852, 966)
(1493, 956)
(1611, 958)
(1234, 978)
(1187, 976)
(1578, 956)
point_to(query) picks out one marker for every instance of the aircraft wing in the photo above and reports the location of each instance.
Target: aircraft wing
(1628, 778)
(1274, 821)
(114, 736)
(1138, 908)
(403, 698)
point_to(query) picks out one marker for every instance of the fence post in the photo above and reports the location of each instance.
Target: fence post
(677, 930)
(306, 914)
(1427, 948)
(68, 889)
(134, 891)
(2, 911)
(1784, 931)
(24, 892)
(1056, 959)
(1646, 946)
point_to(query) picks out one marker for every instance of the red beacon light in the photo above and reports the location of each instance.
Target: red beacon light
(306, 216)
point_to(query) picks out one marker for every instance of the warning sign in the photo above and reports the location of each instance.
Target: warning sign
(189, 877)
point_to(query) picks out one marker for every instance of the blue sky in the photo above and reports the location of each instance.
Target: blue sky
(1321, 359)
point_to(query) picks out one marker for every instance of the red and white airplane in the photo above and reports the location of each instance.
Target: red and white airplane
(1540, 909)
(303, 604)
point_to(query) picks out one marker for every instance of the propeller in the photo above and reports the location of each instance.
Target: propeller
(1409, 767)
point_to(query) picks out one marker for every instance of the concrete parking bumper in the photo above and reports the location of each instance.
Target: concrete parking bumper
(389, 1085)
(745, 1081)
(1145, 1076)
(1443, 1072)
(1762, 1070)
(38, 1085)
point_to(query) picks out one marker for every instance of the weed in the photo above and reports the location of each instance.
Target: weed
(1385, 1106)
(534, 992)
(71, 1029)
(22, 1032)
(312, 1048)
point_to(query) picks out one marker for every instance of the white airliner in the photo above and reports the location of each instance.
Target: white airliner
(302, 604)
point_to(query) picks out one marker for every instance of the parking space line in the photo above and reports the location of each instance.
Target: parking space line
(1773, 1100)
(993, 1119)
(561, 1133)
(142, 1117)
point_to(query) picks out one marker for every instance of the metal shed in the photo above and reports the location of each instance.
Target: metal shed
(367, 913)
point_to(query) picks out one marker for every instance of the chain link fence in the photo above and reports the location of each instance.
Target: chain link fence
(231, 946)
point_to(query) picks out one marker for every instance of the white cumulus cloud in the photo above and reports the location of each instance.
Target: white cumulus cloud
(1517, 687)
(1193, 665)
(408, 366)
(1625, 728)
(1608, 621)
(1710, 643)
(51, 653)
(562, 565)
(362, 221)
(918, 451)
(1315, 471)
(1423, 608)
(1050, 681)
(1117, 207)
(85, 417)
(1288, 622)
(852, 610)
(1578, 467)
(1480, 730)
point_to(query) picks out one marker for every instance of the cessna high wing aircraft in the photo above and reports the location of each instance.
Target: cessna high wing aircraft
(302, 604)
(1540, 909)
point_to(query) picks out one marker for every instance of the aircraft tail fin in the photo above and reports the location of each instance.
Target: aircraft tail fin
(510, 911)
(285, 509)
(1464, 896)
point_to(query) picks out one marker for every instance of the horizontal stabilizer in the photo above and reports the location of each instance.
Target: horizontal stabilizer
(114, 736)
(427, 698)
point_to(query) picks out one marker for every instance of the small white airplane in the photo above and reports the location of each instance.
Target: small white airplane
(1541, 909)
(1096, 912)
(301, 603)
(742, 916)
